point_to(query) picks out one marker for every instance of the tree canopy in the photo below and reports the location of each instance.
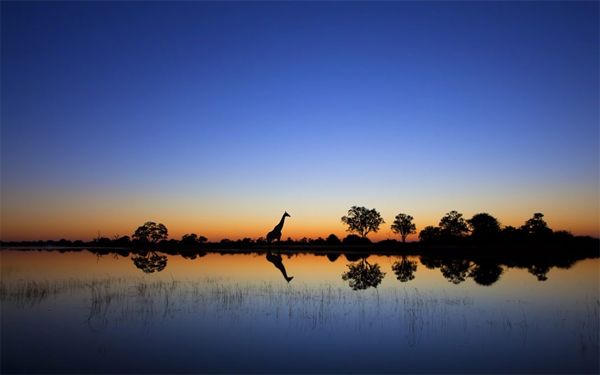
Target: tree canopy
(484, 227)
(536, 225)
(151, 232)
(453, 225)
(362, 220)
(403, 225)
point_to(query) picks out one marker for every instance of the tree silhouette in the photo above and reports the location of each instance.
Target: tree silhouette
(456, 270)
(362, 275)
(540, 271)
(430, 234)
(404, 269)
(150, 232)
(403, 225)
(453, 225)
(189, 240)
(332, 239)
(150, 262)
(536, 226)
(484, 227)
(486, 273)
(353, 239)
(430, 262)
(362, 220)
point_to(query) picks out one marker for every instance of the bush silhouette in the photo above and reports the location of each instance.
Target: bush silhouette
(484, 227)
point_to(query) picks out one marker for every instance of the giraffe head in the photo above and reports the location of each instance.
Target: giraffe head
(286, 214)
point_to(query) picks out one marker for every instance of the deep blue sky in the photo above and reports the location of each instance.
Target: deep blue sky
(184, 111)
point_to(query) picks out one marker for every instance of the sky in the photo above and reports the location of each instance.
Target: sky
(215, 117)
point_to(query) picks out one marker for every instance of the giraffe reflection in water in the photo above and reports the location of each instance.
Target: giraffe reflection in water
(278, 263)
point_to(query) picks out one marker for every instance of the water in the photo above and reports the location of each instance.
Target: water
(79, 312)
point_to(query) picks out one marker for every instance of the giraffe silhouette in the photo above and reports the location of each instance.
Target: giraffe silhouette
(276, 232)
(278, 263)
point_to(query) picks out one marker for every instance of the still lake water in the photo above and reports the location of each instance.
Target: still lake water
(77, 312)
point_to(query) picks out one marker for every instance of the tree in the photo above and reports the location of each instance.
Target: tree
(189, 240)
(404, 226)
(150, 232)
(484, 227)
(332, 239)
(362, 220)
(430, 234)
(536, 226)
(453, 224)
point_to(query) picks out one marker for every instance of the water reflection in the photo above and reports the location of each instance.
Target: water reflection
(486, 273)
(404, 269)
(278, 263)
(455, 270)
(362, 275)
(82, 319)
(150, 262)
(539, 270)
(483, 269)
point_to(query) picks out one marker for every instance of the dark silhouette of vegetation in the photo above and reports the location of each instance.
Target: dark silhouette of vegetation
(539, 270)
(533, 246)
(362, 220)
(404, 269)
(403, 225)
(150, 232)
(484, 228)
(452, 225)
(332, 239)
(456, 270)
(193, 239)
(430, 234)
(536, 226)
(150, 262)
(362, 275)
(353, 239)
(486, 273)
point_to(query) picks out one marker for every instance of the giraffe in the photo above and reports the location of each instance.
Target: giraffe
(276, 232)
(278, 263)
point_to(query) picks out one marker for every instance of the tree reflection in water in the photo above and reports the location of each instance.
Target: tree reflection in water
(539, 270)
(362, 275)
(455, 270)
(486, 273)
(404, 269)
(150, 262)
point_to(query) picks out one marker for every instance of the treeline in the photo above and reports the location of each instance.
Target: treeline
(481, 230)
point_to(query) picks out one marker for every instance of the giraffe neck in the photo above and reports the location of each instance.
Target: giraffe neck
(280, 225)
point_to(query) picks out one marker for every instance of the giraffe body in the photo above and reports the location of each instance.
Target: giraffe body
(275, 234)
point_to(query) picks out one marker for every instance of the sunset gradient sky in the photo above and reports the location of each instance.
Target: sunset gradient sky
(214, 118)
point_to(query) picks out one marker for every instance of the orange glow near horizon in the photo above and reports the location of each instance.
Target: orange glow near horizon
(215, 229)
